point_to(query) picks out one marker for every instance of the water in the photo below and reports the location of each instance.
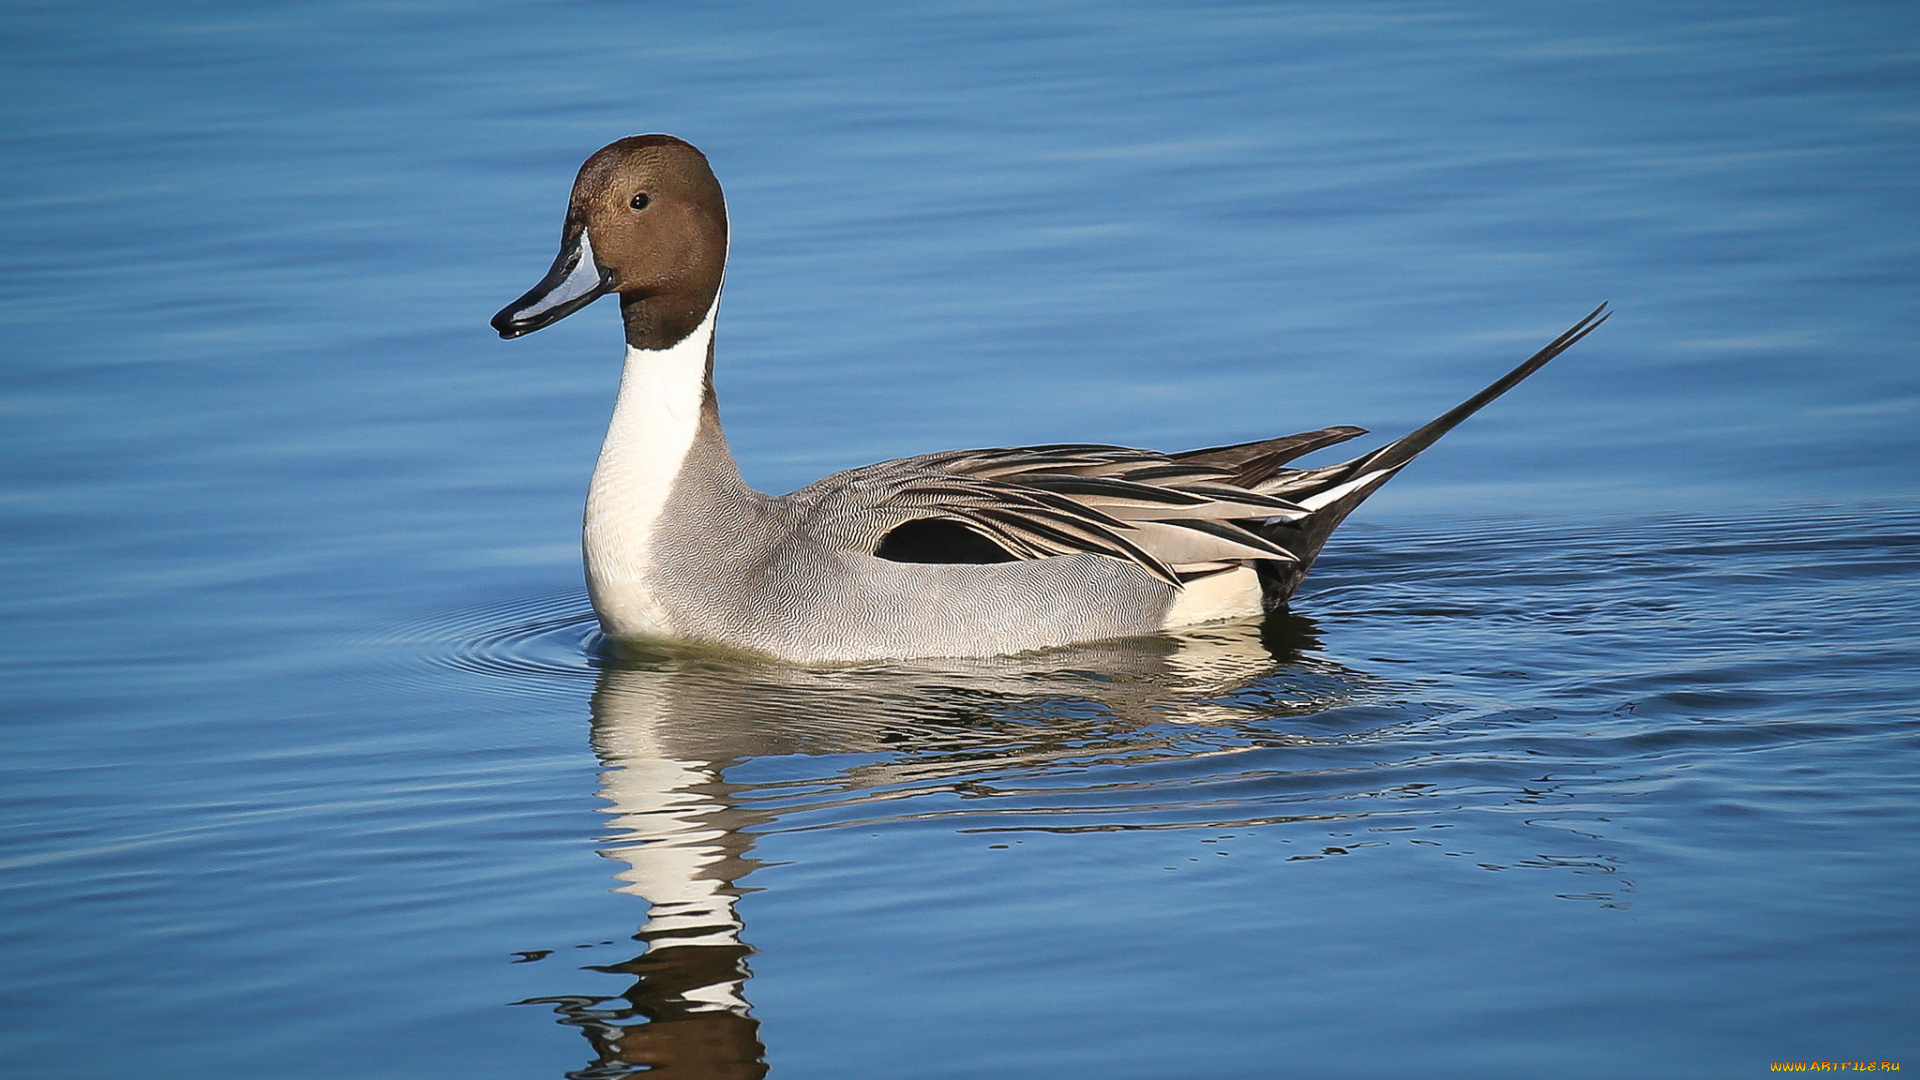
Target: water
(1590, 750)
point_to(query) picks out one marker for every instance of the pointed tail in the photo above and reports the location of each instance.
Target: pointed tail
(1334, 491)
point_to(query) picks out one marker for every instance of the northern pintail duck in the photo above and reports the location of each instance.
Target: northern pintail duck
(962, 553)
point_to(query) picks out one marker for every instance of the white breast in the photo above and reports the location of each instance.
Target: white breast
(654, 424)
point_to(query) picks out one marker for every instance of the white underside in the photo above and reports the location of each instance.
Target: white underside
(1236, 594)
(1230, 594)
(654, 423)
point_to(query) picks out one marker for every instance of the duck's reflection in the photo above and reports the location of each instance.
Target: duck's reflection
(668, 729)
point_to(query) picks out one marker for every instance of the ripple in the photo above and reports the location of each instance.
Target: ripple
(1524, 685)
(1526, 662)
(539, 646)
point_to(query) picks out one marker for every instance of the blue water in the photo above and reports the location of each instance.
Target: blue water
(1591, 749)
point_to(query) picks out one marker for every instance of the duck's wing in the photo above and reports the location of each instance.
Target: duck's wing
(1173, 518)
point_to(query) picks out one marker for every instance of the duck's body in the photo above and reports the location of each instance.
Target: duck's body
(964, 553)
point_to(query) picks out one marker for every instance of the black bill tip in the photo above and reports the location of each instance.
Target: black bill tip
(575, 281)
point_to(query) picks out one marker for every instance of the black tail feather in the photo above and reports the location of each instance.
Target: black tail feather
(1367, 472)
(1407, 447)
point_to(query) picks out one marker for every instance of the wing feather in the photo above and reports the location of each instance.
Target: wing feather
(1137, 506)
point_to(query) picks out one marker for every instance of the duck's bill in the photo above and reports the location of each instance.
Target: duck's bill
(575, 281)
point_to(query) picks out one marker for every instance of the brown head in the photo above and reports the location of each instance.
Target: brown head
(647, 220)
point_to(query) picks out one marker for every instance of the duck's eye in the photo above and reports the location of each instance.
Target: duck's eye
(640, 201)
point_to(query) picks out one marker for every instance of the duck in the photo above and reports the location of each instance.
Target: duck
(961, 553)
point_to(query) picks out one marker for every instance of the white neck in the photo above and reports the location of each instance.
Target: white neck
(654, 424)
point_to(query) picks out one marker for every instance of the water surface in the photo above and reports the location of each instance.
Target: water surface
(1589, 750)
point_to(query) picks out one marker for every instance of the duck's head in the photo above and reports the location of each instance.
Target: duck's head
(647, 221)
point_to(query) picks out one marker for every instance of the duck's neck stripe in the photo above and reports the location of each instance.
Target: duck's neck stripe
(655, 422)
